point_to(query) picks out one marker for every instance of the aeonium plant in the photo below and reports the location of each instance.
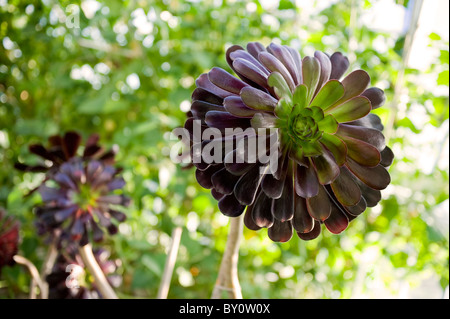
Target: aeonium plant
(82, 202)
(82, 198)
(62, 148)
(9, 239)
(81, 191)
(330, 154)
(9, 250)
(77, 285)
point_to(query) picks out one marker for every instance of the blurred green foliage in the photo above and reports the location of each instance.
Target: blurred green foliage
(126, 70)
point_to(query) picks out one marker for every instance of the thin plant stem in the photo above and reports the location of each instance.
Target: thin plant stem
(33, 272)
(227, 279)
(33, 286)
(47, 266)
(100, 280)
(399, 83)
(163, 290)
(441, 146)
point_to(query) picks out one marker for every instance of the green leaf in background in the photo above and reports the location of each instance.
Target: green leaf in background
(443, 78)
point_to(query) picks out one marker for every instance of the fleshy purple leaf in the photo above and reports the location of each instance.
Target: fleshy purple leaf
(375, 177)
(387, 157)
(302, 221)
(350, 110)
(230, 206)
(371, 196)
(280, 86)
(71, 142)
(225, 80)
(235, 167)
(326, 167)
(313, 234)
(337, 222)
(235, 106)
(251, 72)
(254, 48)
(306, 183)
(286, 57)
(242, 54)
(336, 146)
(345, 188)
(339, 65)
(262, 212)
(325, 69)
(272, 186)
(311, 75)
(368, 135)
(258, 100)
(361, 152)
(248, 219)
(204, 83)
(247, 186)
(369, 121)
(354, 84)
(281, 231)
(283, 207)
(200, 94)
(357, 209)
(263, 120)
(297, 76)
(204, 177)
(41, 151)
(64, 213)
(200, 108)
(319, 206)
(274, 65)
(329, 94)
(223, 120)
(216, 195)
(376, 97)
(223, 181)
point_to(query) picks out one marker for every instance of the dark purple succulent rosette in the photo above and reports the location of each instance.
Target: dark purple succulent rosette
(58, 278)
(9, 239)
(62, 148)
(333, 158)
(80, 199)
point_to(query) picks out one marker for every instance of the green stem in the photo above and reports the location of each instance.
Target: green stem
(36, 279)
(163, 290)
(227, 279)
(100, 280)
